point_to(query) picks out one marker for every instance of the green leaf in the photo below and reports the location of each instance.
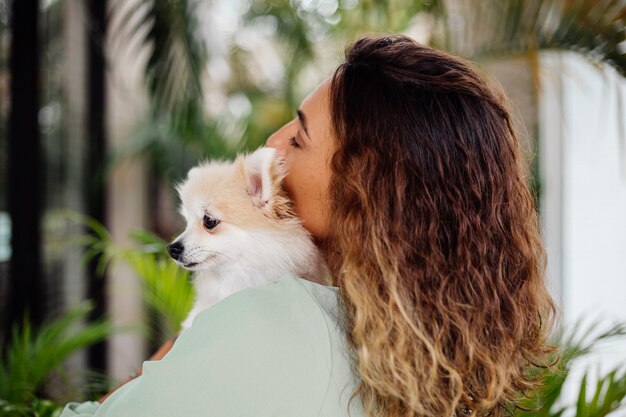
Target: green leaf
(167, 290)
(582, 393)
(492, 28)
(609, 395)
(169, 29)
(574, 344)
(33, 354)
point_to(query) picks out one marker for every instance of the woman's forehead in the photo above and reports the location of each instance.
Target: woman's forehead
(316, 108)
(319, 97)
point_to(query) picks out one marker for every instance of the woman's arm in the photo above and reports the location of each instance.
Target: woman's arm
(158, 355)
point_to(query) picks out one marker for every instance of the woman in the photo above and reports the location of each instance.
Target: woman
(405, 167)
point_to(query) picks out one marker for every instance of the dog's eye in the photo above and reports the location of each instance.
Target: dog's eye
(210, 222)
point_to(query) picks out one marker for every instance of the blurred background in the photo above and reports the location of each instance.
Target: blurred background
(104, 106)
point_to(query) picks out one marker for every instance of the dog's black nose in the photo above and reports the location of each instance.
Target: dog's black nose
(175, 249)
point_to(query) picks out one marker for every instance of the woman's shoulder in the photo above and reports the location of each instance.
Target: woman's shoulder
(272, 342)
(263, 351)
(292, 305)
(287, 317)
(273, 350)
(287, 302)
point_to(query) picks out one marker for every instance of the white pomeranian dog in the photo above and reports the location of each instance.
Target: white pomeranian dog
(241, 230)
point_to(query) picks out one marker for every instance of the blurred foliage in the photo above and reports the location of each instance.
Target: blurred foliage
(177, 53)
(35, 354)
(167, 289)
(309, 35)
(492, 28)
(170, 150)
(608, 393)
(174, 132)
(36, 408)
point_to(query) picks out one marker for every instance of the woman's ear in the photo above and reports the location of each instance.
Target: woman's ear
(263, 172)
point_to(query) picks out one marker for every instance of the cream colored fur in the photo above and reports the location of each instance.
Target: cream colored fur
(258, 238)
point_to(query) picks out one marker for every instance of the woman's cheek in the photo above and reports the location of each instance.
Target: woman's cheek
(289, 186)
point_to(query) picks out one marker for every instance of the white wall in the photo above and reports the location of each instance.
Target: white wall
(584, 170)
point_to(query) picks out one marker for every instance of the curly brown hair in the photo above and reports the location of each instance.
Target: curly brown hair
(441, 263)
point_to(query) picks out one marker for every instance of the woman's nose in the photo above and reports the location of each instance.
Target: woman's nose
(274, 141)
(280, 140)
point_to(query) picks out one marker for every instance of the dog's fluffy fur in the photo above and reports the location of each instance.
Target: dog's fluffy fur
(257, 239)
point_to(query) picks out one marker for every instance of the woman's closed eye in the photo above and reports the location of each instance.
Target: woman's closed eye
(293, 142)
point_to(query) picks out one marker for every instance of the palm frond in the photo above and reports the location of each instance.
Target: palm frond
(33, 354)
(594, 28)
(167, 290)
(169, 28)
(575, 343)
(97, 243)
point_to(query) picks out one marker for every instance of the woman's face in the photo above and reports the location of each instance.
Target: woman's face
(306, 144)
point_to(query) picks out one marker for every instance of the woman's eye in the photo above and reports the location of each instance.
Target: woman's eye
(210, 222)
(293, 142)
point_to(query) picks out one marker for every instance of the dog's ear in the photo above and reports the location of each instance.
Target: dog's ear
(264, 173)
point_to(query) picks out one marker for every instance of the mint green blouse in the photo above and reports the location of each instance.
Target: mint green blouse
(276, 350)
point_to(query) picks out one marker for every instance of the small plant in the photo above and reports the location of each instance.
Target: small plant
(36, 408)
(167, 291)
(33, 355)
(608, 394)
